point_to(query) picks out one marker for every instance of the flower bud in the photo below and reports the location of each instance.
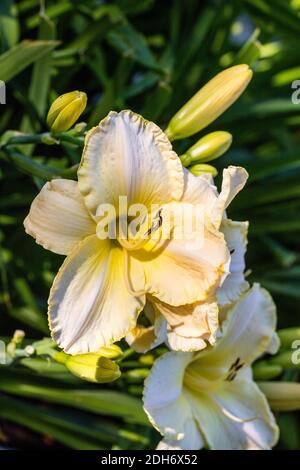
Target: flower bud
(282, 396)
(285, 360)
(65, 110)
(92, 367)
(201, 168)
(210, 102)
(111, 352)
(262, 370)
(288, 335)
(208, 148)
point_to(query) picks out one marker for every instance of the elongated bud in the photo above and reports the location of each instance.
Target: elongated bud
(208, 148)
(111, 352)
(262, 370)
(287, 336)
(282, 396)
(91, 367)
(210, 102)
(201, 168)
(65, 110)
(287, 359)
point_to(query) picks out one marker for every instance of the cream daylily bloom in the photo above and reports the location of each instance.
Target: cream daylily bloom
(209, 398)
(190, 327)
(101, 287)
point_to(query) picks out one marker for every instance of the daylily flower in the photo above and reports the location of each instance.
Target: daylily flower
(189, 327)
(209, 398)
(102, 285)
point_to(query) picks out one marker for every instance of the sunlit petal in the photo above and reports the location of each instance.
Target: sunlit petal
(235, 284)
(89, 305)
(236, 417)
(58, 218)
(125, 155)
(164, 403)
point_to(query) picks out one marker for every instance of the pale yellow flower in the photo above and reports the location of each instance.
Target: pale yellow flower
(209, 398)
(101, 287)
(190, 327)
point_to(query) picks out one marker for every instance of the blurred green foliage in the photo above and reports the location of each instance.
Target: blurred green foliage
(149, 56)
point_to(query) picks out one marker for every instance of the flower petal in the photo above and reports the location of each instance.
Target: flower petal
(246, 332)
(89, 304)
(166, 407)
(58, 218)
(192, 439)
(234, 179)
(187, 268)
(142, 338)
(199, 190)
(236, 238)
(190, 326)
(125, 155)
(236, 417)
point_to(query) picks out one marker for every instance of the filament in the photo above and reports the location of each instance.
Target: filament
(127, 277)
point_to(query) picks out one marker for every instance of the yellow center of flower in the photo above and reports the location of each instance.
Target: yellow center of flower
(133, 233)
(198, 383)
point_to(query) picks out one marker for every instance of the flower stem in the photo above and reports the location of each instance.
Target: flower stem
(34, 168)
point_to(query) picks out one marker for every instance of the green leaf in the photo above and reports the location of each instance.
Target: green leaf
(40, 83)
(250, 52)
(278, 11)
(99, 401)
(30, 317)
(38, 420)
(133, 45)
(21, 56)
(9, 24)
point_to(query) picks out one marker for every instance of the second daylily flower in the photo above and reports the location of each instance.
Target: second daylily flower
(101, 287)
(209, 398)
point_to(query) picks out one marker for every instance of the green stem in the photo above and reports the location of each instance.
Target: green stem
(65, 137)
(33, 168)
(44, 138)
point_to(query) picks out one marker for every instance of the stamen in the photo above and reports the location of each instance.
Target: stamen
(127, 277)
(157, 225)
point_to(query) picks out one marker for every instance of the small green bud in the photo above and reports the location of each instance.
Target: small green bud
(185, 159)
(285, 360)
(282, 396)
(210, 102)
(18, 337)
(288, 335)
(262, 370)
(147, 359)
(111, 352)
(65, 110)
(80, 127)
(14, 343)
(208, 148)
(92, 367)
(201, 168)
(49, 139)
